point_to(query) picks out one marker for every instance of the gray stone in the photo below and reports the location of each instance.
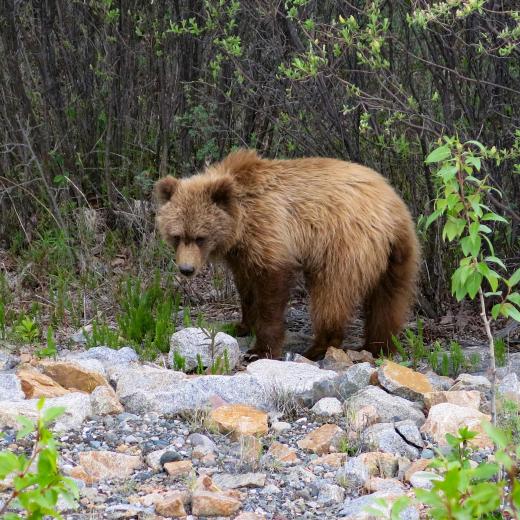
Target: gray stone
(104, 401)
(288, 376)
(193, 342)
(353, 474)
(10, 388)
(408, 429)
(168, 392)
(328, 406)
(238, 480)
(389, 407)
(7, 361)
(330, 494)
(169, 456)
(153, 459)
(424, 479)
(198, 439)
(77, 409)
(509, 385)
(440, 383)
(384, 437)
(80, 336)
(107, 356)
(280, 426)
(472, 382)
(355, 508)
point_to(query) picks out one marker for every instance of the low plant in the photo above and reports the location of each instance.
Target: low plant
(27, 330)
(414, 348)
(500, 352)
(102, 335)
(179, 361)
(50, 349)
(3, 320)
(35, 482)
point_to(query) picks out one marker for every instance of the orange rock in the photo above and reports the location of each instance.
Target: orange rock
(334, 460)
(449, 418)
(360, 356)
(178, 468)
(171, 505)
(240, 419)
(206, 503)
(99, 465)
(282, 453)
(415, 466)
(324, 439)
(469, 398)
(35, 384)
(380, 464)
(403, 381)
(338, 358)
(71, 375)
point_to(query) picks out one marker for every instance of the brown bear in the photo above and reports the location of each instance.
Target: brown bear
(339, 223)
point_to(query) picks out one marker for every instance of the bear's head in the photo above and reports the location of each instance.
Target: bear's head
(198, 217)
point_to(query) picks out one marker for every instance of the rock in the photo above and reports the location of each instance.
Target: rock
(282, 453)
(410, 432)
(105, 402)
(449, 418)
(468, 398)
(35, 384)
(298, 358)
(10, 388)
(384, 437)
(357, 470)
(415, 466)
(280, 426)
(239, 419)
(107, 356)
(359, 419)
(439, 383)
(99, 465)
(234, 481)
(355, 508)
(509, 387)
(194, 342)
(287, 376)
(324, 439)
(149, 389)
(169, 455)
(334, 460)
(72, 375)
(250, 516)
(361, 356)
(374, 484)
(328, 406)
(80, 336)
(153, 459)
(171, 504)
(77, 409)
(336, 359)
(404, 382)
(343, 385)
(179, 468)
(250, 449)
(206, 503)
(7, 361)
(198, 439)
(330, 494)
(389, 407)
(471, 382)
(424, 479)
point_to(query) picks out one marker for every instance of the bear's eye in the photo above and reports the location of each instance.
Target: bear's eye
(175, 239)
(200, 241)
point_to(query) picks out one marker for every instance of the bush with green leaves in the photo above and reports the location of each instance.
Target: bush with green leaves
(464, 490)
(35, 482)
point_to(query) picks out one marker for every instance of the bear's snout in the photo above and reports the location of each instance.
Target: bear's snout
(186, 269)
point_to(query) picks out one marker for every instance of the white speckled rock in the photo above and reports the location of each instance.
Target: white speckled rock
(328, 406)
(192, 342)
(10, 388)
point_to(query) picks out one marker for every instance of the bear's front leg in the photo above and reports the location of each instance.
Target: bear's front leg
(271, 291)
(245, 284)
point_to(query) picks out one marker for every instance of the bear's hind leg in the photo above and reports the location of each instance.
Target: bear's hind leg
(330, 312)
(272, 290)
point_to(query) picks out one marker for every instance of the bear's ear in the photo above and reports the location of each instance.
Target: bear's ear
(165, 188)
(222, 192)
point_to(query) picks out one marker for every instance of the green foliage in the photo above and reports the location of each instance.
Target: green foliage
(146, 318)
(415, 350)
(461, 202)
(467, 491)
(50, 349)
(102, 335)
(36, 481)
(500, 352)
(27, 330)
(179, 361)
(3, 324)
(200, 365)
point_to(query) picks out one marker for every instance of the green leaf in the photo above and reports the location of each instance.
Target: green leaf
(52, 413)
(433, 217)
(473, 284)
(27, 427)
(495, 260)
(41, 402)
(439, 154)
(495, 217)
(498, 436)
(495, 311)
(511, 312)
(474, 161)
(514, 279)
(8, 463)
(453, 228)
(515, 298)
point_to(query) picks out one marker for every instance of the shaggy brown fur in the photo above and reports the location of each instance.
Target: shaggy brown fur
(340, 223)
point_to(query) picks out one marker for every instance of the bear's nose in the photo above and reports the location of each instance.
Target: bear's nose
(186, 269)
